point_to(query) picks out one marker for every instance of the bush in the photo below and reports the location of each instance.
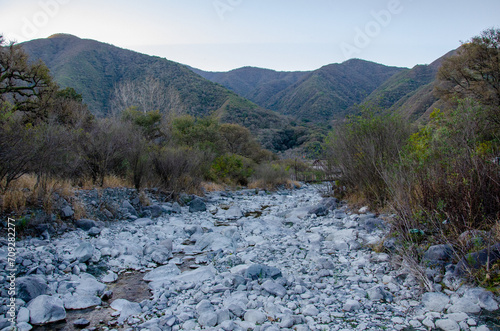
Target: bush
(232, 169)
(200, 133)
(447, 173)
(16, 152)
(362, 148)
(179, 168)
(103, 149)
(270, 176)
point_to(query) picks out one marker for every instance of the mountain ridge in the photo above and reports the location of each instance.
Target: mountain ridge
(411, 92)
(322, 94)
(94, 69)
(251, 96)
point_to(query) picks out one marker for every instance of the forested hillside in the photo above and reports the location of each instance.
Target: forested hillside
(321, 95)
(111, 79)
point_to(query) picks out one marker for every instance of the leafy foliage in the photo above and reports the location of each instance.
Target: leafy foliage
(28, 87)
(362, 148)
(448, 168)
(474, 72)
(232, 168)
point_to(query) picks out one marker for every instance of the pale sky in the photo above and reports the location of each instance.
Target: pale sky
(285, 35)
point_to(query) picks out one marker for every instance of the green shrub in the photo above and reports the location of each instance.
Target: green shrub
(446, 171)
(232, 168)
(362, 149)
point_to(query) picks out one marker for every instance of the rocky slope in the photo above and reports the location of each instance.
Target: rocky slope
(242, 260)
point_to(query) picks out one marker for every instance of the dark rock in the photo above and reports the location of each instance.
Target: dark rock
(156, 211)
(81, 323)
(42, 228)
(40, 217)
(94, 231)
(372, 224)
(479, 259)
(324, 207)
(106, 295)
(197, 205)
(85, 224)
(66, 212)
(256, 271)
(319, 210)
(109, 215)
(30, 287)
(129, 208)
(438, 255)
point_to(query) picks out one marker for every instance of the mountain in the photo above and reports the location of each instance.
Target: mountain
(320, 95)
(410, 91)
(256, 84)
(254, 97)
(95, 69)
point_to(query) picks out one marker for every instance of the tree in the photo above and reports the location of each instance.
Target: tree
(53, 149)
(202, 133)
(26, 85)
(69, 110)
(16, 153)
(149, 122)
(147, 95)
(474, 72)
(103, 148)
(238, 140)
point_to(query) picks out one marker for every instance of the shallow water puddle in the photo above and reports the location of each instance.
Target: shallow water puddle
(129, 286)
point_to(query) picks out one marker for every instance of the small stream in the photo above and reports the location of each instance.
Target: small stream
(129, 286)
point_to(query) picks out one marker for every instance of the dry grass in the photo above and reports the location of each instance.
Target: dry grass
(266, 185)
(78, 209)
(13, 200)
(25, 191)
(110, 181)
(496, 231)
(212, 187)
(24, 182)
(144, 199)
(113, 181)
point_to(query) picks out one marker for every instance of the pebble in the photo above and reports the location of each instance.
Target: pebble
(241, 260)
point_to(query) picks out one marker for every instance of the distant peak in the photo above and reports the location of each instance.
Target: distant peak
(62, 35)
